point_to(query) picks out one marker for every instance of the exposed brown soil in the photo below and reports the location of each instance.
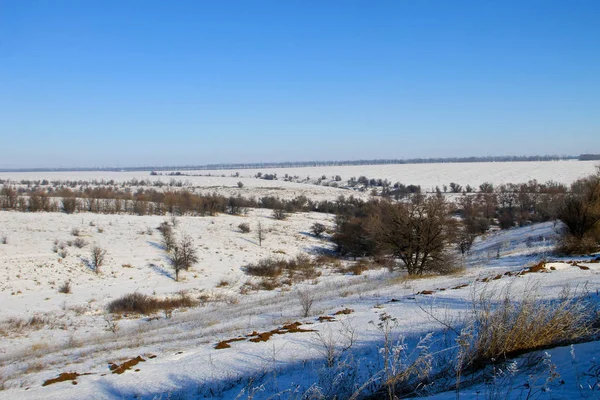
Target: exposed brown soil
(460, 286)
(539, 267)
(427, 292)
(256, 337)
(345, 311)
(119, 369)
(325, 318)
(65, 376)
(225, 343)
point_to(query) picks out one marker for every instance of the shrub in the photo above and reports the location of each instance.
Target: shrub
(244, 227)
(75, 232)
(79, 243)
(137, 303)
(65, 287)
(267, 267)
(279, 214)
(69, 205)
(271, 269)
(168, 240)
(4, 239)
(317, 229)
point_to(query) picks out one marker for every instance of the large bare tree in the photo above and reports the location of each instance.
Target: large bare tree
(418, 233)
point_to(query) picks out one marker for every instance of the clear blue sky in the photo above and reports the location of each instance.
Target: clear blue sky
(101, 83)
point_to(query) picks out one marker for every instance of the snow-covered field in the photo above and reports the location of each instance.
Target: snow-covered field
(44, 333)
(426, 175)
(431, 175)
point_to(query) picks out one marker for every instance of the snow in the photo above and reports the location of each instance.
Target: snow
(180, 359)
(426, 175)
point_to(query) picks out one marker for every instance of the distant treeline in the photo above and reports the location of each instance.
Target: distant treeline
(589, 157)
(291, 164)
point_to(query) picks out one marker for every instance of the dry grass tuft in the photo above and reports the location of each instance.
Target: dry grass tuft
(503, 327)
(65, 288)
(137, 303)
(275, 272)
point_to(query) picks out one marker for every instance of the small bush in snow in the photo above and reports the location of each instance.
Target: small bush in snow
(65, 287)
(138, 303)
(79, 243)
(244, 227)
(317, 229)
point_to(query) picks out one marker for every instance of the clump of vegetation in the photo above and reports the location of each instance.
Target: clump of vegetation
(502, 327)
(138, 303)
(280, 214)
(65, 288)
(75, 232)
(275, 272)
(79, 243)
(244, 227)
(418, 232)
(318, 229)
(580, 213)
(168, 237)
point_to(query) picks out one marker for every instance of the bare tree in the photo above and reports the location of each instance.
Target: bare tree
(306, 299)
(98, 256)
(176, 260)
(417, 232)
(182, 256)
(189, 253)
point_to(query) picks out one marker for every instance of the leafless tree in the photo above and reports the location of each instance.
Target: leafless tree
(98, 256)
(189, 253)
(306, 299)
(417, 232)
(182, 256)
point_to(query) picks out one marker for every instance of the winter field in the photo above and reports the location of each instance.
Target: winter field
(339, 332)
(427, 175)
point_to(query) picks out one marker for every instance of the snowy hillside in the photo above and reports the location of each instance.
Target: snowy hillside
(236, 343)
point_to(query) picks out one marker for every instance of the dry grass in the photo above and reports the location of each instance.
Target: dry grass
(16, 325)
(275, 272)
(79, 243)
(504, 327)
(137, 303)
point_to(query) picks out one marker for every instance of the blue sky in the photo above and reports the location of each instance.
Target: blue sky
(130, 83)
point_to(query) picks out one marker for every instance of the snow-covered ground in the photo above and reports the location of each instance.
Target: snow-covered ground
(44, 333)
(426, 175)
(179, 354)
